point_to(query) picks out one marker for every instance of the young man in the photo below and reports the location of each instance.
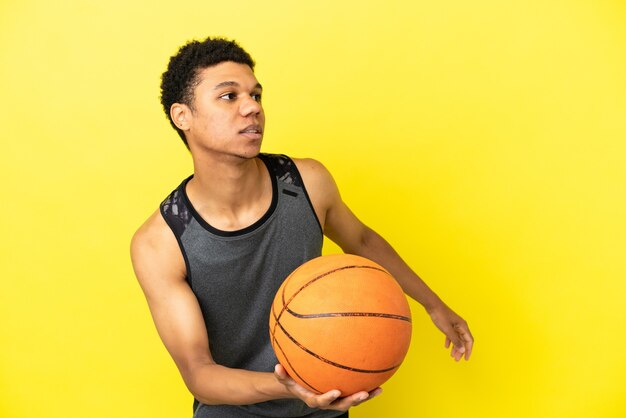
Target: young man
(211, 259)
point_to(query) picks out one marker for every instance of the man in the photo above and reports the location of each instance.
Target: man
(210, 260)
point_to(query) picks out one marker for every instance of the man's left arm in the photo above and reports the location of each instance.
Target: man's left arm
(354, 237)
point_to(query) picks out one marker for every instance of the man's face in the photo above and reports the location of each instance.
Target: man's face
(227, 116)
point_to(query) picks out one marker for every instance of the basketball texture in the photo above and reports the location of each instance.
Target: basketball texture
(340, 322)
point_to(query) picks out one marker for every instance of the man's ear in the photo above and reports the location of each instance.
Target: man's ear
(180, 114)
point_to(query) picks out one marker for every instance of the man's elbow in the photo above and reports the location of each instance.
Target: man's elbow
(363, 241)
(200, 380)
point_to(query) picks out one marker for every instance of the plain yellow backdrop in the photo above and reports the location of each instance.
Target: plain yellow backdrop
(484, 140)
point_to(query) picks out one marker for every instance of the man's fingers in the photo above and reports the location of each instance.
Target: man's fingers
(459, 346)
(466, 337)
(280, 372)
(462, 344)
(325, 399)
(282, 376)
(455, 354)
(468, 351)
(350, 401)
(376, 392)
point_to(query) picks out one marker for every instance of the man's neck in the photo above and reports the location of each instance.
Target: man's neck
(230, 193)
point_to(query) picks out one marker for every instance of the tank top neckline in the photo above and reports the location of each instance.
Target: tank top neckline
(250, 228)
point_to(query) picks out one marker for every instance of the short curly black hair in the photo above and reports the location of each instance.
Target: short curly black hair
(181, 77)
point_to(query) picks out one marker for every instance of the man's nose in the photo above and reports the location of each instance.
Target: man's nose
(249, 106)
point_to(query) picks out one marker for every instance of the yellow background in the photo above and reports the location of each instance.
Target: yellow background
(483, 139)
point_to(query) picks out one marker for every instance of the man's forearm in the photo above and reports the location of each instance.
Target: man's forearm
(213, 384)
(377, 249)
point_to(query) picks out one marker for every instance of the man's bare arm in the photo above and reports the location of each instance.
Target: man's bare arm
(354, 237)
(160, 270)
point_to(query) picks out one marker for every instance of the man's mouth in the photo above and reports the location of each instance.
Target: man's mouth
(252, 129)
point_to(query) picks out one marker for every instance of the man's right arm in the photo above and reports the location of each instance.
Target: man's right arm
(161, 272)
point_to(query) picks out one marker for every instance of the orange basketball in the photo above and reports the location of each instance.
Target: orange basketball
(340, 322)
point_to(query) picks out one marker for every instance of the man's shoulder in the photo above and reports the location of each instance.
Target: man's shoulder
(313, 172)
(153, 234)
(155, 253)
(320, 185)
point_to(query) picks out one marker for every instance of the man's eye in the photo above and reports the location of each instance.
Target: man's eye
(257, 97)
(228, 96)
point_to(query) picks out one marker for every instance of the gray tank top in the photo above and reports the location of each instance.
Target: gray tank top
(235, 275)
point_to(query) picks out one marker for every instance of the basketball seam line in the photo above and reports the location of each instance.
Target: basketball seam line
(336, 314)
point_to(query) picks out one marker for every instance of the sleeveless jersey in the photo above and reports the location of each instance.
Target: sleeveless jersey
(235, 275)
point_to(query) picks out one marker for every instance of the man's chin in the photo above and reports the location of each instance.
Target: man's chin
(248, 156)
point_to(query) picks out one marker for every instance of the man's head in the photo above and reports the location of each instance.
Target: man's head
(184, 68)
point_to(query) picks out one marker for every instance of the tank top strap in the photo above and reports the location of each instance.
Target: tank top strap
(289, 179)
(175, 211)
(283, 168)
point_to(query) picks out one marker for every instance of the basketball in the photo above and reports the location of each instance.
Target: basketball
(340, 322)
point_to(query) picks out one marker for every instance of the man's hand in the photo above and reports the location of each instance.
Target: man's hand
(456, 330)
(328, 400)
